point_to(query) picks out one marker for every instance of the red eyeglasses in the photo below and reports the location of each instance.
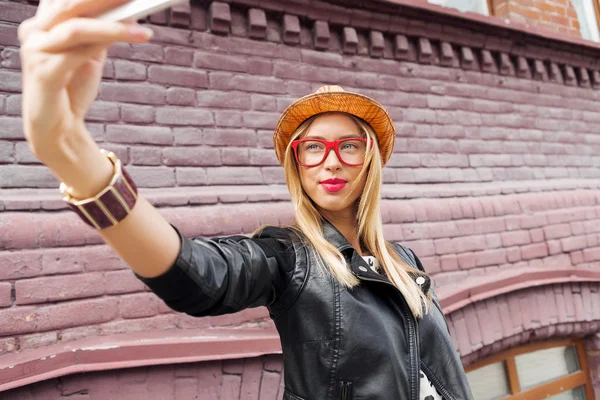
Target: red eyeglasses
(312, 152)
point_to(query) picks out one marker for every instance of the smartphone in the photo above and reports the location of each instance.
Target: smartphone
(138, 9)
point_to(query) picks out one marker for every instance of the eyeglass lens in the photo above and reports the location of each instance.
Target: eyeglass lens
(313, 152)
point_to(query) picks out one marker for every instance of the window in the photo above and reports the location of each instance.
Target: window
(588, 17)
(555, 370)
(478, 6)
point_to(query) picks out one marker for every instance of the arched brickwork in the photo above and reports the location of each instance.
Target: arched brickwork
(542, 312)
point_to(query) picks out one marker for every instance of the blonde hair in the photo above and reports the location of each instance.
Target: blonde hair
(308, 222)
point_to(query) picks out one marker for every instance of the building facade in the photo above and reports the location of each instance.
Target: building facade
(493, 183)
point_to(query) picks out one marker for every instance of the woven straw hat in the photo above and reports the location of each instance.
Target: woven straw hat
(334, 98)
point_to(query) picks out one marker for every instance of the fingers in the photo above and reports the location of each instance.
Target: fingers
(62, 10)
(49, 74)
(79, 32)
(52, 12)
(44, 85)
(26, 28)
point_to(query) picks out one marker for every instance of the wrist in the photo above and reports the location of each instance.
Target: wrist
(79, 164)
(90, 176)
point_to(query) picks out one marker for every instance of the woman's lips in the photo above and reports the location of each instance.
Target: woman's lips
(333, 187)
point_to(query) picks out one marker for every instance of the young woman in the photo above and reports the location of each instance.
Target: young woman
(356, 315)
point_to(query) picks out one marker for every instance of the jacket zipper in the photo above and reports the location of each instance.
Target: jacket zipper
(413, 339)
(346, 391)
(415, 376)
(438, 385)
(431, 376)
(415, 382)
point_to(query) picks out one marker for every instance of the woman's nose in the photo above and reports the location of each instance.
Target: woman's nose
(332, 160)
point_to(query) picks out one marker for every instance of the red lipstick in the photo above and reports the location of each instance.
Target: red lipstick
(333, 185)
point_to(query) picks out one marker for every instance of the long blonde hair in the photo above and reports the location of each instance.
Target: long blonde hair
(308, 221)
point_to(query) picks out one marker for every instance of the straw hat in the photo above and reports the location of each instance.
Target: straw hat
(334, 98)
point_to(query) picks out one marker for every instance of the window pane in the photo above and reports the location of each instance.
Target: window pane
(586, 15)
(489, 382)
(576, 394)
(543, 366)
(478, 6)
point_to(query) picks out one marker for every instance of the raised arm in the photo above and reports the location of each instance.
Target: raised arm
(63, 57)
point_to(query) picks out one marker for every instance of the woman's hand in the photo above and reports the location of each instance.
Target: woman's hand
(63, 50)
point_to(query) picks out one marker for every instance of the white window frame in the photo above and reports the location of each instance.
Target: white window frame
(477, 6)
(587, 14)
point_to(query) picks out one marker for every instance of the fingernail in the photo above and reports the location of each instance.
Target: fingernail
(141, 31)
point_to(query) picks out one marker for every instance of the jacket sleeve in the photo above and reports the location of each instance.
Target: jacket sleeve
(225, 274)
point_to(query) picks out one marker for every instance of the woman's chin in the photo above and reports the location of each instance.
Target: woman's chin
(332, 206)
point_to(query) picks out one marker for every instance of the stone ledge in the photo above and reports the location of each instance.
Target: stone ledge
(457, 296)
(134, 350)
(49, 199)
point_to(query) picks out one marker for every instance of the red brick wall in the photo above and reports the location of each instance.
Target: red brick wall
(554, 15)
(495, 165)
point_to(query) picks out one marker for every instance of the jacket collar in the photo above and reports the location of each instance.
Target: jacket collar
(335, 237)
(358, 265)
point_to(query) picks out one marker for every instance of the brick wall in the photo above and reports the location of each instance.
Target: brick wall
(197, 109)
(554, 15)
(495, 164)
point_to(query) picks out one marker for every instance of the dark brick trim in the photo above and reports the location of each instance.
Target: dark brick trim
(405, 30)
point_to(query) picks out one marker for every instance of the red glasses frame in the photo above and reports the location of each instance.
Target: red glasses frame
(333, 145)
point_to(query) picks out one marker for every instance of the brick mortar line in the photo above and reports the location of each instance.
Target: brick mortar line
(51, 198)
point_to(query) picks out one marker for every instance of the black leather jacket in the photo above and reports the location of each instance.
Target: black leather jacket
(362, 343)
